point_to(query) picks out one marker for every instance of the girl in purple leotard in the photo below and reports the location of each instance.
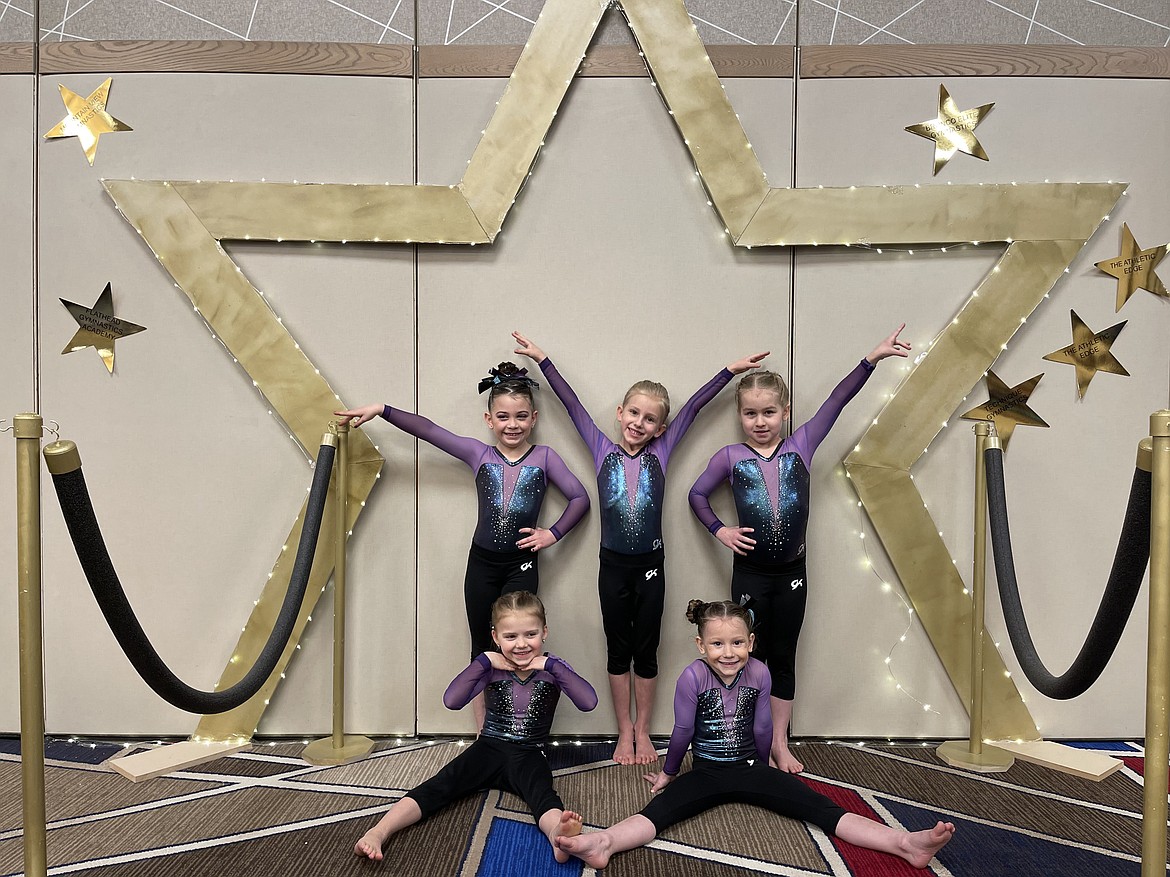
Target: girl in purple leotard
(511, 478)
(769, 480)
(721, 713)
(521, 684)
(631, 480)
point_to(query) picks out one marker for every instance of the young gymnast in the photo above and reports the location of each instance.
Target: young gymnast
(522, 685)
(769, 478)
(721, 712)
(511, 477)
(631, 478)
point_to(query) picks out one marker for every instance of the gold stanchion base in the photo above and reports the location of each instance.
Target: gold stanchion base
(322, 751)
(957, 753)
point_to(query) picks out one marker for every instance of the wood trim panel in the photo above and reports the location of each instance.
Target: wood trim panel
(1136, 62)
(367, 59)
(225, 56)
(497, 61)
(16, 57)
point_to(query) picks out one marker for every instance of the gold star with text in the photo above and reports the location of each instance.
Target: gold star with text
(1007, 406)
(98, 327)
(1134, 268)
(953, 130)
(1090, 353)
(87, 119)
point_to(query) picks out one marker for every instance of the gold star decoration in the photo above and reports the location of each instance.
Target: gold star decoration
(98, 327)
(1134, 268)
(1090, 352)
(1007, 406)
(87, 119)
(952, 131)
(1042, 226)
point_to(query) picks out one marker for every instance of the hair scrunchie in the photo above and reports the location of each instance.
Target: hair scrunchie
(506, 371)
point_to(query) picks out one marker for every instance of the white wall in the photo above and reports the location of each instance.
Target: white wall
(612, 261)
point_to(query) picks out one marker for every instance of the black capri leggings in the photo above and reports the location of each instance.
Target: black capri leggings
(779, 594)
(632, 588)
(489, 763)
(711, 783)
(490, 575)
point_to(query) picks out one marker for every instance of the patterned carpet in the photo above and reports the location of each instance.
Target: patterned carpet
(263, 812)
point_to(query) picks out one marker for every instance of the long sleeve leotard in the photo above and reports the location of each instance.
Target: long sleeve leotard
(519, 710)
(630, 488)
(510, 493)
(727, 723)
(772, 493)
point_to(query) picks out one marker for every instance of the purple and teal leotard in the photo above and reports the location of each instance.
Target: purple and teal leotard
(510, 493)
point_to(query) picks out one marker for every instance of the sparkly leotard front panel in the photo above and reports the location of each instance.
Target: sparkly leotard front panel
(721, 722)
(631, 502)
(772, 497)
(519, 710)
(631, 488)
(510, 493)
(510, 496)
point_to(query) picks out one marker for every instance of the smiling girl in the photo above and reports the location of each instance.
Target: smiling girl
(769, 477)
(721, 714)
(511, 477)
(631, 579)
(521, 685)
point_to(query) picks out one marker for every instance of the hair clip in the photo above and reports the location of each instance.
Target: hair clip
(506, 371)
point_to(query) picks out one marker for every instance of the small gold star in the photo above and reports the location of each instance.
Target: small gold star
(87, 119)
(1007, 406)
(1089, 352)
(952, 131)
(99, 327)
(1134, 268)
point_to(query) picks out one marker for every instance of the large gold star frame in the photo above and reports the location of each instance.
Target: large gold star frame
(1043, 225)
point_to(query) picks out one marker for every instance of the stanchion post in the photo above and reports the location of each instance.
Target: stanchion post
(971, 754)
(338, 748)
(1157, 758)
(27, 429)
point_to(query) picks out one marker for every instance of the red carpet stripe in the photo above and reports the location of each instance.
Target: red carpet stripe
(861, 861)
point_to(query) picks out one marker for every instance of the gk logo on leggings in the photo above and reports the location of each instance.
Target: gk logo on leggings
(527, 565)
(795, 583)
(657, 544)
(651, 573)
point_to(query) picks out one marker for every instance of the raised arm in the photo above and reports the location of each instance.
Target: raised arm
(469, 683)
(575, 687)
(686, 704)
(686, 415)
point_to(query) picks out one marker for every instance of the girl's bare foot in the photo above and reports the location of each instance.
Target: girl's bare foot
(569, 826)
(623, 753)
(370, 846)
(783, 759)
(644, 751)
(919, 847)
(592, 849)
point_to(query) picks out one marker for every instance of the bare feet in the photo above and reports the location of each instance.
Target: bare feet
(919, 847)
(592, 849)
(623, 753)
(369, 846)
(569, 826)
(783, 759)
(644, 751)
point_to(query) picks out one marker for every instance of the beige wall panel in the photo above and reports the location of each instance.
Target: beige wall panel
(16, 342)
(1068, 485)
(195, 484)
(612, 260)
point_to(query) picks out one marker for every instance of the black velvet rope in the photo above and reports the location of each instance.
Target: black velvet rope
(1125, 579)
(77, 510)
